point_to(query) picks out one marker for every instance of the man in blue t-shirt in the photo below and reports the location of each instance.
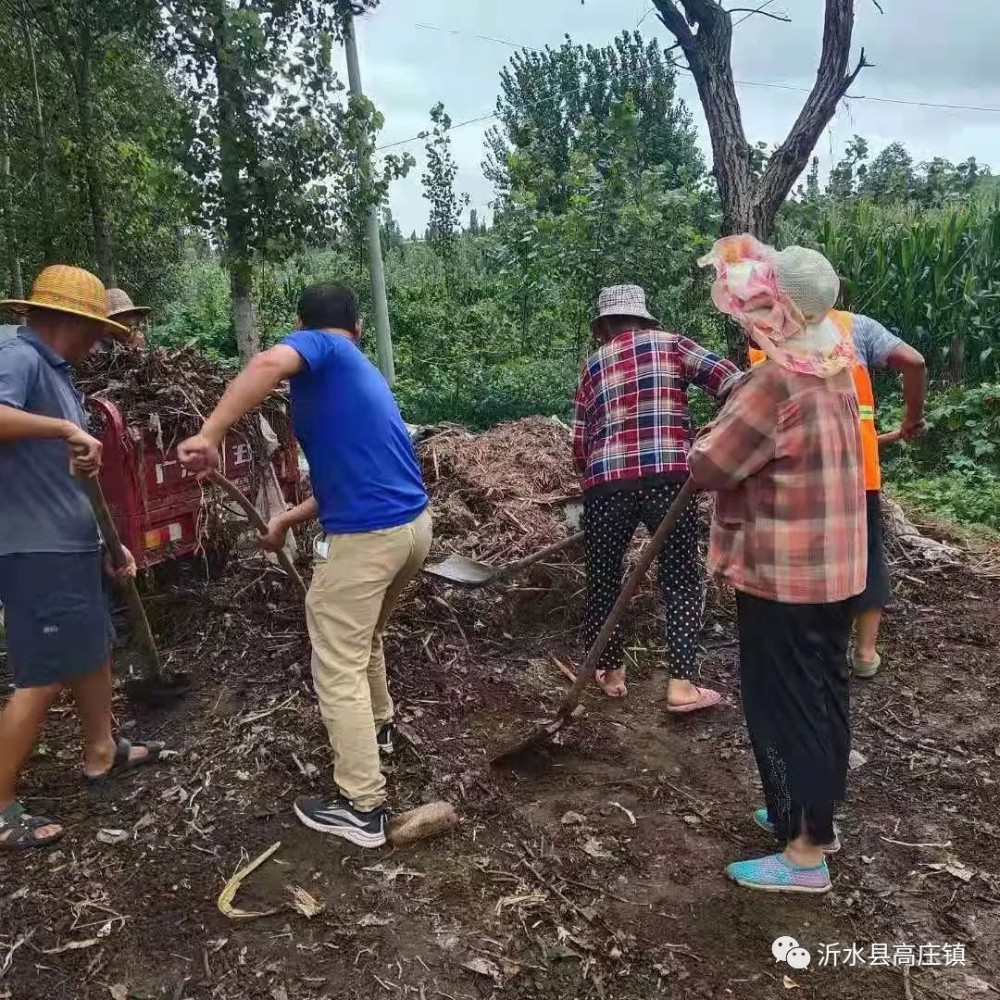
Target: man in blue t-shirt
(369, 496)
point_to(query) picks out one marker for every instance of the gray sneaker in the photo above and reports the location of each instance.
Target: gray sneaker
(339, 818)
(384, 739)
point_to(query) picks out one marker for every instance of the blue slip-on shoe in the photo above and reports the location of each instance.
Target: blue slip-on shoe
(776, 874)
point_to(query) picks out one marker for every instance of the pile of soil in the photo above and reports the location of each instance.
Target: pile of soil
(591, 871)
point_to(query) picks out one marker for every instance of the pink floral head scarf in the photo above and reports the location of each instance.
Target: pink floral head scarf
(782, 300)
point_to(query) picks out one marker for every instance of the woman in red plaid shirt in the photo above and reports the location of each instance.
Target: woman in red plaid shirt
(632, 432)
(785, 460)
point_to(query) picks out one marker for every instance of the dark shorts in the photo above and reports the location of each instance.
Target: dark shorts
(55, 614)
(878, 587)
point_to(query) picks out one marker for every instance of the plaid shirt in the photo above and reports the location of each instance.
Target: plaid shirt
(785, 458)
(631, 416)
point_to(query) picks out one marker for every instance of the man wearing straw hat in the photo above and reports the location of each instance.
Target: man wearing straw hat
(122, 310)
(50, 551)
(632, 431)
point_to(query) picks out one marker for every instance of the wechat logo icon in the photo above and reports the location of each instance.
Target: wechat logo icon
(786, 949)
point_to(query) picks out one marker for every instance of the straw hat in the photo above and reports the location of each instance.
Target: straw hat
(70, 290)
(809, 280)
(120, 305)
(622, 300)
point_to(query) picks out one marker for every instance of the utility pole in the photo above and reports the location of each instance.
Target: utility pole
(383, 333)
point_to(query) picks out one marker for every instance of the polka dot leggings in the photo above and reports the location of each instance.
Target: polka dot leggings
(610, 521)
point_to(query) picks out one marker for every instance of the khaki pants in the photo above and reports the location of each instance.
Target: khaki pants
(353, 593)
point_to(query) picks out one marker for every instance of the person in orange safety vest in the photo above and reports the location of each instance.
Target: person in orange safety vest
(877, 349)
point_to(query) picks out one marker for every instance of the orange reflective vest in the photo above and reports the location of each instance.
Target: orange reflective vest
(866, 404)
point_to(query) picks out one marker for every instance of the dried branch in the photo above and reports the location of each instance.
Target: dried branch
(750, 11)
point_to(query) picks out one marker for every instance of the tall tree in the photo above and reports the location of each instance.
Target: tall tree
(704, 33)
(439, 185)
(549, 97)
(890, 176)
(84, 33)
(136, 120)
(266, 135)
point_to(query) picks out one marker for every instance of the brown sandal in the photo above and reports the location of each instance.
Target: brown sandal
(19, 831)
(123, 762)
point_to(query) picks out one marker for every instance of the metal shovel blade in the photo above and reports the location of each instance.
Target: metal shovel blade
(463, 571)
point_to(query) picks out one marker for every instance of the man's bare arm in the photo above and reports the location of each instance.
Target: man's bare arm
(17, 425)
(250, 388)
(262, 375)
(911, 365)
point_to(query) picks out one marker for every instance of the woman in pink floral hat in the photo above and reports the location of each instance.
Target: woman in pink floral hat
(788, 534)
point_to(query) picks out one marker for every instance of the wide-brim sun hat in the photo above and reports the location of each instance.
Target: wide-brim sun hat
(622, 300)
(120, 305)
(783, 300)
(71, 290)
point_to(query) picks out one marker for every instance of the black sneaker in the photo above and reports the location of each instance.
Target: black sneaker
(384, 739)
(339, 818)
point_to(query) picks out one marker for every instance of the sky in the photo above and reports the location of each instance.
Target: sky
(923, 51)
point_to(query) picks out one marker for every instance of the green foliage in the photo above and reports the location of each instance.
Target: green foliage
(932, 275)
(954, 471)
(268, 135)
(439, 186)
(556, 102)
(970, 498)
(892, 178)
(90, 146)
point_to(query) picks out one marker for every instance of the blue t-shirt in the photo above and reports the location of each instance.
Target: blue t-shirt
(365, 474)
(873, 343)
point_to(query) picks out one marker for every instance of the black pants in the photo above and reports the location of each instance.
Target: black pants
(610, 520)
(794, 676)
(878, 586)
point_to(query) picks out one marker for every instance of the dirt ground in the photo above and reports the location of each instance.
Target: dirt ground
(593, 871)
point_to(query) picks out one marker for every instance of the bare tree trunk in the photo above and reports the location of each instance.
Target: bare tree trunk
(237, 251)
(103, 249)
(956, 358)
(41, 159)
(244, 319)
(750, 204)
(10, 225)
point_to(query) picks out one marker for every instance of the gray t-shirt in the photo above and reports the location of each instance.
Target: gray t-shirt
(873, 342)
(43, 508)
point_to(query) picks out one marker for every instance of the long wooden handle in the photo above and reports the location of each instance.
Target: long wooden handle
(890, 437)
(253, 515)
(549, 550)
(649, 553)
(136, 610)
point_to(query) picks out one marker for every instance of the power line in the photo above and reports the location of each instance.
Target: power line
(472, 34)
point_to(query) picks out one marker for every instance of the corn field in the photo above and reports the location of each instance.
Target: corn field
(931, 276)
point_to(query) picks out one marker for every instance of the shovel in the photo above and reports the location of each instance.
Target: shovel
(543, 733)
(160, 683)
(469, 573)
